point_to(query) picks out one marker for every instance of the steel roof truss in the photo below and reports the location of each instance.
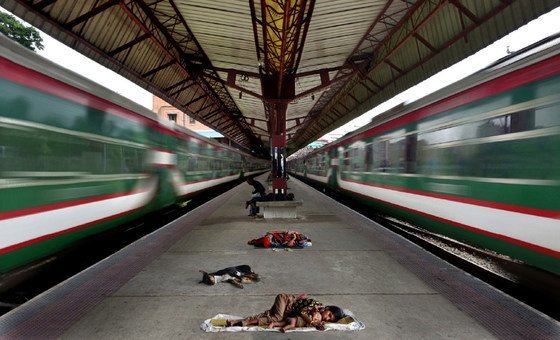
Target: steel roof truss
(421, 39)
(145, 16)
(85, 17)
(206, 103)
(153, 45)
(42, 4)
(161, 67)
(306, 22)
(412, 33)
(387, 18)
(256, 23)
(182, 89)
(323, 103)
(465, 11)
(129, 44)
(179, 83)
(325, 82)
(196, 99)
(210, 114)
(281, 22)
(234, 86)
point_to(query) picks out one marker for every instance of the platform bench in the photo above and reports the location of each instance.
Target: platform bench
(279, 209)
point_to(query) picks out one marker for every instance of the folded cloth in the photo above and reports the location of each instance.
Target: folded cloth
(218, 324)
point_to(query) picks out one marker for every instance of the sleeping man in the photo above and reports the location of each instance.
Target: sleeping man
(292, 306)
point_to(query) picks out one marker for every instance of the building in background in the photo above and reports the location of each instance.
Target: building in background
(167, 111)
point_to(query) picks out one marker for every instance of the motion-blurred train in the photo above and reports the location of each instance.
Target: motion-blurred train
(77, 159)
(477, 161)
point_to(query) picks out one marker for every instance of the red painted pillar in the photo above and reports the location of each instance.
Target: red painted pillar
(278, 144)
(277, 96)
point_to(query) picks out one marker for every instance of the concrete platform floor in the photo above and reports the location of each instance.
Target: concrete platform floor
(150, 289)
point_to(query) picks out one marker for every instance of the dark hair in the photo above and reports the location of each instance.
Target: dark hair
(337, 312)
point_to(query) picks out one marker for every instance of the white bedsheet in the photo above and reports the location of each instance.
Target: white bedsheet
(207, 326)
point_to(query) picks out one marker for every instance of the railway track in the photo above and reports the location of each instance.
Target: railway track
(533, 286)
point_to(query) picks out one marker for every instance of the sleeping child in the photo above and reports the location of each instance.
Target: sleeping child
(308, 313)
(301, 320)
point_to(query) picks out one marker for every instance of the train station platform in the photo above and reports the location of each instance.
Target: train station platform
(151, 289)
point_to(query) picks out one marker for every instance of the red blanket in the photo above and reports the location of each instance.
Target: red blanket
(282, 239)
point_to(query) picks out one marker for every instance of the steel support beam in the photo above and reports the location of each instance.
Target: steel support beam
(182, 48)
(129, 44)
(95, 11)
(284, 26)
(393, 29)
(278, 142)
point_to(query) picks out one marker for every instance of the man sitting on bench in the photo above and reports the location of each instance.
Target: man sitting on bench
(258, 193)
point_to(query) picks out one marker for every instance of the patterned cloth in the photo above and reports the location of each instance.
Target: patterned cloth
(306, 305)
(218, 324)
(278, 239)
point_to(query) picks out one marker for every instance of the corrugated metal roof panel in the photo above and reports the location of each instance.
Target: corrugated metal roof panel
(388, 45)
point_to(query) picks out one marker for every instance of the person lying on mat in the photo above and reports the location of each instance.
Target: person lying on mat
(313, 319)
(272, 239)
(289, 305)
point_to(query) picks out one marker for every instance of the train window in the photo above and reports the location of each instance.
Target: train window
(313, 165)
(132, 160)
(380, 156)
(469, 150)
(320, 164)
(411, 149)
(357, 158)
(19, 153)
(493, 127)
(369, 157)
(396, 155)
(42, 151)
(202, 164)
(182, 162)
(113, 159)
(346, 161)
(449, 135)
(525, 120)
(192, 163)
(440, 161)
(531, 119)
(545, 117)
(317, 165)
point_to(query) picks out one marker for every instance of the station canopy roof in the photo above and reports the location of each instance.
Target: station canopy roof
(227, 62)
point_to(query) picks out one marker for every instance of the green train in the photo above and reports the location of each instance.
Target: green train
(477, 161)
(77, 159)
